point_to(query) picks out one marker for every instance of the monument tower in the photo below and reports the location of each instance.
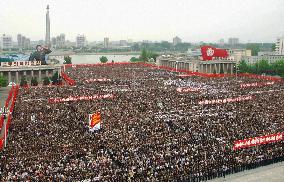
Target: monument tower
(47, 32)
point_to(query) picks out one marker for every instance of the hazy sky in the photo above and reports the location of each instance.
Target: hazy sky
(191, 20)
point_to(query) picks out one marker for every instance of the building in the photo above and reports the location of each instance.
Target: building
(122, 43)
(217, 66)
(23, 42)
(233, 41)
(47, 25)
(106, 42)
(80, 41)
(14, 71)
(6, 42)
(58, 41)
(176, 40)
(279, 47)
(221, 42)
(269, 58)
(238, 54)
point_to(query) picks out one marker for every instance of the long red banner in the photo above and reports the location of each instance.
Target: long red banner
(187, 89)
(227, 100)
(79, 98)
(257, 141)
(97, 80)
(256, 84)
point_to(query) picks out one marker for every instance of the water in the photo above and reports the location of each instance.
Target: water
(90, 59)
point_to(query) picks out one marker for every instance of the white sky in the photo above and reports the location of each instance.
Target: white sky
(191, 20)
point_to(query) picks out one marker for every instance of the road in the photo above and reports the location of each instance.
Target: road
(270, 173)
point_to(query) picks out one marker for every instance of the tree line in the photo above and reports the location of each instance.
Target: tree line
(263, 67)
(146, 55)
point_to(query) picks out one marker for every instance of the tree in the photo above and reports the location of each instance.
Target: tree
(243, 67)
(46, 81)
(34, 81)
(147, 54)
(3, 81)
(263, 66)
(23, 81)
(278, 68)
(67, 60)
(134, 59)
(254, 48)
(55, 79)
(273, 47)
(103, 59)
(144, 55)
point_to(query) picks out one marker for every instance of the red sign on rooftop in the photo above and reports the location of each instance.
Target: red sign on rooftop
(209, 52)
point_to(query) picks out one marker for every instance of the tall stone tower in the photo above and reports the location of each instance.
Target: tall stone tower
(47, 32)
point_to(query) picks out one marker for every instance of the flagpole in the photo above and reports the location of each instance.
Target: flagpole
(5, 134)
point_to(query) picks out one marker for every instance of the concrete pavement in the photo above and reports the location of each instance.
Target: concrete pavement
(270, 173)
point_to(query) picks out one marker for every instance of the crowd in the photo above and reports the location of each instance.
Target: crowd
(150, 132)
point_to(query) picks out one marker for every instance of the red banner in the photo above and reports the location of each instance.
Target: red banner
(97, 80)
(69, 80)
(227, 100)
(185, 89)
(1, 143)
(209, 52)
(13, 95)
(256, 84)
(79, 98)
(257, 141)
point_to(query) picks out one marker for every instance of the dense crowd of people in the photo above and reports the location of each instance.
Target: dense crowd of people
(150, 132)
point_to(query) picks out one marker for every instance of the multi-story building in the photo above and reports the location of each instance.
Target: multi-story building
(176, 40)
(269, 58)
(6, 42)
(233, 41)
(58, 41)
(80, 41)
(221, 42)
(122, 43)
(238, 54)
(23, 42)
(106, 42)
(279, 47)
(197, 65)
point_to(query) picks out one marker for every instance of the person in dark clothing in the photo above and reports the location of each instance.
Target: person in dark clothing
(39, 54)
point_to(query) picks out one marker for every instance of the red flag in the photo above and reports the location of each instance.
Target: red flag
(1, 143)
(95, 119)
(208, 52)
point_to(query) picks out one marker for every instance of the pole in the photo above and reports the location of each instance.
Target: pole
(5, 137)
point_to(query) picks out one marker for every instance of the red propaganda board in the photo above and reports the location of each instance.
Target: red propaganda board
(208, 52)
(257, 141)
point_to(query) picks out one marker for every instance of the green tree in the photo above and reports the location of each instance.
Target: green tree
(134, 59)
(103, 59)
(46, 81)
(278, 68)
(3, 81)
(254, 48)
(67, 60)
(23, 81)
(273, 47)
(263, 67)
(243, 67)
(34, 81)
(55, 79)
(144, 55)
